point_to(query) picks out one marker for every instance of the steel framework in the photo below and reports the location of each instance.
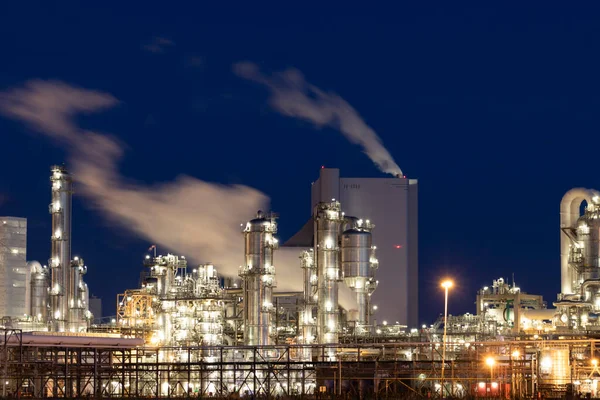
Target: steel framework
(388, 370)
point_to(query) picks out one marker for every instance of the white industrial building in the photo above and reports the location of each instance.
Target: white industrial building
(14, 277)
(391, 205)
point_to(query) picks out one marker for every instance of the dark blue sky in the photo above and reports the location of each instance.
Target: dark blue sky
(494, 110)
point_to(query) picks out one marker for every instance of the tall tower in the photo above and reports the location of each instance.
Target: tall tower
(68, 292)
(328, 221)
(258, 274)
(60, 258)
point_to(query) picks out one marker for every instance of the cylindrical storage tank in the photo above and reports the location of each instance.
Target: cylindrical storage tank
(356, 266)
(356, 253)
(39, 291)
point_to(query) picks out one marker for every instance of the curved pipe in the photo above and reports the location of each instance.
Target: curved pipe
(588, 283)
(569, 213)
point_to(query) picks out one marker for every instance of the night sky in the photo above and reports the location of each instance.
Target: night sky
(493, 110)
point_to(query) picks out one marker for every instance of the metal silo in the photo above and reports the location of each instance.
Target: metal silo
(359, 265)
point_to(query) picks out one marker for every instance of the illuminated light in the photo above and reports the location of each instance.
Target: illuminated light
(328, 306)
(490, 361)
(447, 284)
(546, 363)
(384, 323)
(516, 354)
(375, 308)
(58, 234)
(15, 251)
(594, 362)
(398, 246)
(322, 167)
(494, 385)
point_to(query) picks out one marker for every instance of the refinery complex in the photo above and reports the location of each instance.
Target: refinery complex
(189, 331)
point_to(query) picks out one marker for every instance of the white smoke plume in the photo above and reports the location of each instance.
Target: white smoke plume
(197, 219)
(291, 95)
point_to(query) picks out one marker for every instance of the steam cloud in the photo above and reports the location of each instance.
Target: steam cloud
(197, 219)
(291, 95)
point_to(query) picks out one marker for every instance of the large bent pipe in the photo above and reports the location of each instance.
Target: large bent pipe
(569, 213)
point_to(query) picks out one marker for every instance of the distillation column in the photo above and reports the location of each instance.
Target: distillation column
(307, 320)
(328, 220)
(78, 296)
(39, 291)
(359, 264)
(258, 274)
(60, 260)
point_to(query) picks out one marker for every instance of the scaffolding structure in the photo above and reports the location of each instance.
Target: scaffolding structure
(412, 369)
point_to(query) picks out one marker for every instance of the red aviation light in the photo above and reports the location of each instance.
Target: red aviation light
(398, 246)
(322, 167)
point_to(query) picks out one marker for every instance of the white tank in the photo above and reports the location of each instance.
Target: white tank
(358, 266)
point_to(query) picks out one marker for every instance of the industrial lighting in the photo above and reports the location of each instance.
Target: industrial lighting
(490, 362)
(516, 354)
(546, 363)
(447, 284)
(594, 362)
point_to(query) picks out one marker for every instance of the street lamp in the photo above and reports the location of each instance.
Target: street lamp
(447, 284)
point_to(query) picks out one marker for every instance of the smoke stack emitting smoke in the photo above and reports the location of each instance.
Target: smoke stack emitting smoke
(291, 95)
(197, 219)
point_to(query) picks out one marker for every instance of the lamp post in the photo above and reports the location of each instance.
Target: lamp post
(447, 284)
